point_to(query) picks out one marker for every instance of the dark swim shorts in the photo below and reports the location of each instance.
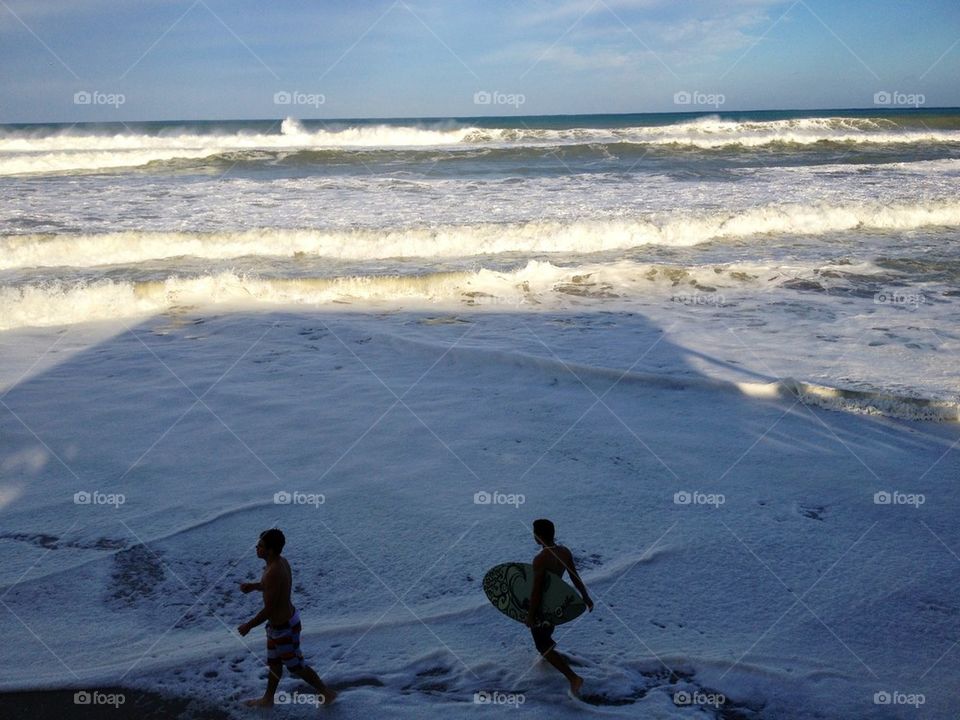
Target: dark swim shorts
(543, 637)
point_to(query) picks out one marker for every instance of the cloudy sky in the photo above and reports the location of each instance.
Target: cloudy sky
(78, 60)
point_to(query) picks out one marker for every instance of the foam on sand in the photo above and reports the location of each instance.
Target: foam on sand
(691, 596)
(526, 289)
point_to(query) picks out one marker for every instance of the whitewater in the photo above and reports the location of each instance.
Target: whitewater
(58, 151)
(611, 316)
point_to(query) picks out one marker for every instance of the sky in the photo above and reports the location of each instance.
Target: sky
(103, 60)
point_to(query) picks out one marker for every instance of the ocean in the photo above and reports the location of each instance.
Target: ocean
(718, 351)
(826, 242)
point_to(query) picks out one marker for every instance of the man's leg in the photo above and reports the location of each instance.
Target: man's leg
(325, 694)
(273, 680)
(560, 663)
(543, 639)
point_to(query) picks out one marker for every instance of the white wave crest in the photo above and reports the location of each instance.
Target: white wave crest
(28, 153)
(30, 163)
(537, 283)
(471, 240)
(713, 132)
(25, 152)
(64, 303)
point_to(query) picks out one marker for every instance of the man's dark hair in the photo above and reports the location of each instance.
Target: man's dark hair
(273, 540)
(544, 530)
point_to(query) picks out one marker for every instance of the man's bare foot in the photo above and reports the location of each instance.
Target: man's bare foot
(575, 686)
(327, 696)
(261, 702)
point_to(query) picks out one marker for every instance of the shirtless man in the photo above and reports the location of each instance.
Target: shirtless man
(283, 622)
(556, 559)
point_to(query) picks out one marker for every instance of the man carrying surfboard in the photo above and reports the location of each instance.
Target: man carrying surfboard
(283, 622)
(555, 559)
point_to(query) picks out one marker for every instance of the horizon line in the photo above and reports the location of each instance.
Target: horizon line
(703, 113)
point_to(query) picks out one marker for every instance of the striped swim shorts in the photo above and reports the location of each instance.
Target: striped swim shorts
(283, 642)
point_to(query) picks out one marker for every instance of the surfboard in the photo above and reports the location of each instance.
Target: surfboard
(508, 587)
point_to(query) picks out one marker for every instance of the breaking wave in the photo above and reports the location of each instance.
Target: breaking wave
(23, 152)
(18, 251)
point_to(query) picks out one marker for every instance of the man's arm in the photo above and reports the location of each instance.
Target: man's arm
(578, 583)
(271, 590)
(250, 587)
(536, 595)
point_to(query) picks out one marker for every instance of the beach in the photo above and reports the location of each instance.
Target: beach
(717, 351)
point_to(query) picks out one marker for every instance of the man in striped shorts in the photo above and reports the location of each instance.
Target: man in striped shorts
(283, 622)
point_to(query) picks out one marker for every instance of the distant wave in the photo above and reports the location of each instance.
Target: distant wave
(713, 132)
(23, 152)
(453, 241)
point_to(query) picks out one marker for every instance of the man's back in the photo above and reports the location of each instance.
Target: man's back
(556, 559)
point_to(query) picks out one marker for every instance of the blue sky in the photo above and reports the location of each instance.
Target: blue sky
(89, 60)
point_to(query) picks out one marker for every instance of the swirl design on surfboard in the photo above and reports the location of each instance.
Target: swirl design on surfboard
(508, 587)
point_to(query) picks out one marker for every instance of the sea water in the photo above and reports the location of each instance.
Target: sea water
(359, 330)
(821, 246)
